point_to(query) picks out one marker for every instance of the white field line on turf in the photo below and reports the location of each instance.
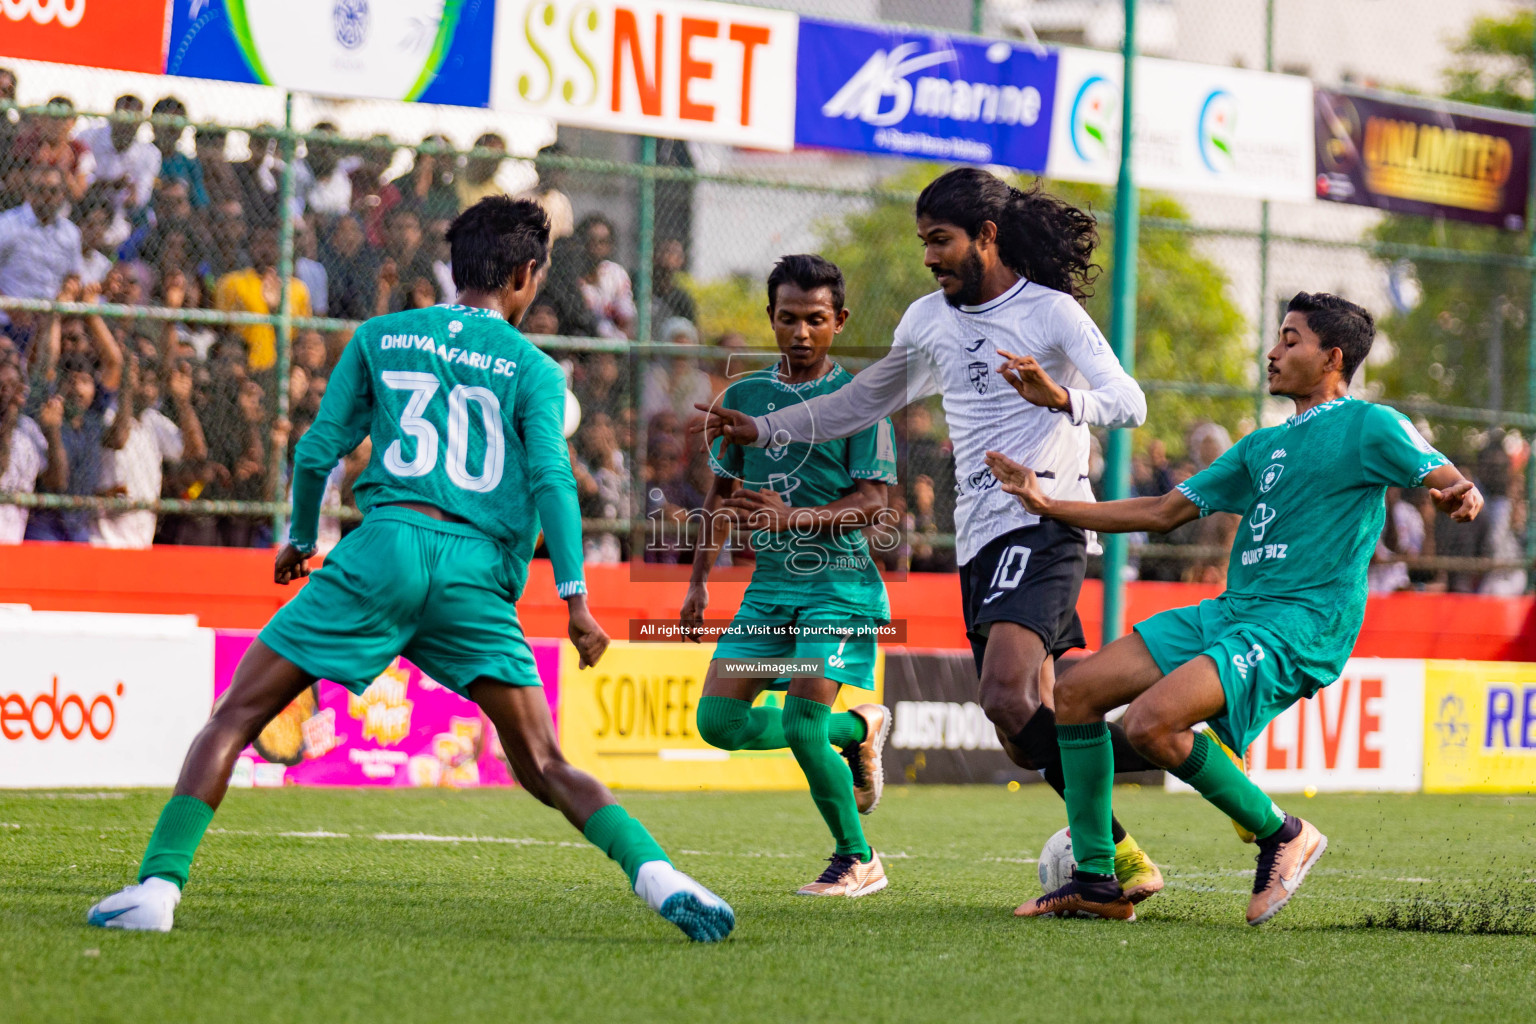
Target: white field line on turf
(1176, 877)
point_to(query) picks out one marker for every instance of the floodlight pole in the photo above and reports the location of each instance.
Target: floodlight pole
(1117, 460)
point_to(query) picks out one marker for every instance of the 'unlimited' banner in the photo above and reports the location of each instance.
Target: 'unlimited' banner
(1432, 158)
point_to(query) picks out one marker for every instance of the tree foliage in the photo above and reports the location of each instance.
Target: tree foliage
(1187, 327)
(1465, 341)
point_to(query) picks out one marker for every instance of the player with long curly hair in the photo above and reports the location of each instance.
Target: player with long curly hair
(1022, 369)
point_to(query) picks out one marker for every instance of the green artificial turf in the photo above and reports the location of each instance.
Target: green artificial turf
(1424, 908)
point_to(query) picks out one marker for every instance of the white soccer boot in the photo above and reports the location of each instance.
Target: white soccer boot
(149, 906)
(703, 916)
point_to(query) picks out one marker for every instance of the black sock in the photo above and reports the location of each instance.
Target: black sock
(1285, 833)
(1037, 742)
(1126, 757)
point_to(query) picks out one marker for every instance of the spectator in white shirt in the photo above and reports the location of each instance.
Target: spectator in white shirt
(39, 245)
(30, 450)
(604, 284)
(93, 216)
(136, 469)
(123, 162)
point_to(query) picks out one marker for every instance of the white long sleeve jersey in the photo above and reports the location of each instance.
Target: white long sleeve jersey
(953, 351)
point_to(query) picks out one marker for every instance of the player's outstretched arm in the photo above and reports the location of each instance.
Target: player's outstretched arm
(767, 510)
(1151, 515)
(1454, 494)
(898, 378)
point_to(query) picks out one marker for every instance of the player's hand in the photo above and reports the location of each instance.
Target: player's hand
(1461, 501)
(590, 638)
(1032, 383)
(692, 617)
(732, 424)
(292, 564)
(1019, 481)
(761, 510)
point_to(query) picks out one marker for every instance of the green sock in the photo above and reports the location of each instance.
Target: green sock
(731, 724)
(623, 839)
(182, 823)
(806, 726)
(846, 729)
(1088, 764)
(1224, 784)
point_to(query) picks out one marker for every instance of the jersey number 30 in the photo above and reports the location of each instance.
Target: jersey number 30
(422, 387)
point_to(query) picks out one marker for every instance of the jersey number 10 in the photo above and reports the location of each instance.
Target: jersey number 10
(422, 387)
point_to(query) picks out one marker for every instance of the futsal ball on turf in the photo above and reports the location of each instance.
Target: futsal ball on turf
(1056, 861)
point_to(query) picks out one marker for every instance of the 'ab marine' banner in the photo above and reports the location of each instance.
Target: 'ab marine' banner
(1434, 158)
(901, 92)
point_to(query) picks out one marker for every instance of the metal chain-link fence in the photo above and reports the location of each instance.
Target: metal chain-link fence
(203, 278)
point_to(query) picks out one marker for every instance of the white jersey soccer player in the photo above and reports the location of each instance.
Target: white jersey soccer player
(953, 351)
(1021, 367)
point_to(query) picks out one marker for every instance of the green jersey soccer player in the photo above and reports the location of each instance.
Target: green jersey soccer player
(469, 458)
(815, 592)
(1310, 492)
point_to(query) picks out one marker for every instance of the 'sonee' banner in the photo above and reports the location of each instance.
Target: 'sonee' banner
(632, 720)
(1427, 157)
(431, 51)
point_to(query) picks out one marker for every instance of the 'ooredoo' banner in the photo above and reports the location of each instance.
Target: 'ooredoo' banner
(100, 700)
(405, 730)
(123, 35)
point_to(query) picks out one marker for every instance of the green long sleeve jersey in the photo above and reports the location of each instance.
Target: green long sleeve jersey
(465, 414)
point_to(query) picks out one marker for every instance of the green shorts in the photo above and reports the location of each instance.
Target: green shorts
(839, 633)
(405, 583)
(1258, 673)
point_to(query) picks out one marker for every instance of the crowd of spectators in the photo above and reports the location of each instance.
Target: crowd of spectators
(160, 213)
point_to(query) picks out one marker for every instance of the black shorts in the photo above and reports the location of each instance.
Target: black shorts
(1031, 576)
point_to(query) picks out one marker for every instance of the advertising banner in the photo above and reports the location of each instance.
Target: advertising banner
(122, 35)
(1199, 128)
(939, 733)
(1433, 158)
(631, 720)
(680, 69)
(405, 730)
(431, 51)
(1480, 727)
(901, 92)
(1364, 733)
(100, 700)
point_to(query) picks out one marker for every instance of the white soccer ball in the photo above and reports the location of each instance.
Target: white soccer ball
(1056, 861)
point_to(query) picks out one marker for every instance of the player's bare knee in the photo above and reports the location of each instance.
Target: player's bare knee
(1007, 705)
(1148, 732)
(1075, 700)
